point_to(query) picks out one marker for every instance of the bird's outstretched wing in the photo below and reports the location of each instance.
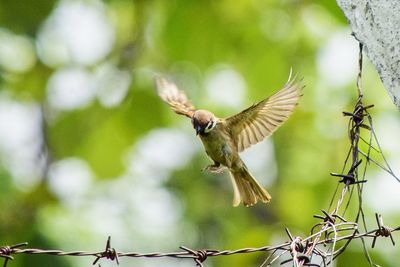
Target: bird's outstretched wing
(177, 99)
(260, 120)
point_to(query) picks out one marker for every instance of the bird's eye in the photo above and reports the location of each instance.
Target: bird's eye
(209, 126)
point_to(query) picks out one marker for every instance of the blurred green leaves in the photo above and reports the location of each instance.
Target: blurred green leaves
(23, 16)
(129, 153)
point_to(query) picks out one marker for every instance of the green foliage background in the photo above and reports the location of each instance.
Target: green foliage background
(151, 208)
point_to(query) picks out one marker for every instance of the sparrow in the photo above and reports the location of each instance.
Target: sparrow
(224, 138)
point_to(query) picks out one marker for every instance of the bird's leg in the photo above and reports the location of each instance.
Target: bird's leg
(214, 168)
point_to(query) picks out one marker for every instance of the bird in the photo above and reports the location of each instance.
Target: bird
(224, 138)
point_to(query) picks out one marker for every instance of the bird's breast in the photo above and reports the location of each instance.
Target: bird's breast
(217, 144)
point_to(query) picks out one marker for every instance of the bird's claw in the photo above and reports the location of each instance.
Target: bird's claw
(214, 169)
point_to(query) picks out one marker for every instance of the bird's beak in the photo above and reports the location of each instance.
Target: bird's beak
(198, 129)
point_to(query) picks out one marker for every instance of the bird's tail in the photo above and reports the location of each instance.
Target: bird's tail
(247, 189)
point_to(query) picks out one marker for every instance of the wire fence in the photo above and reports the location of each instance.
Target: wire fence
(328, 239)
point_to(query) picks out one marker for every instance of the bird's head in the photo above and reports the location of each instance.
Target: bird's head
(203, 121)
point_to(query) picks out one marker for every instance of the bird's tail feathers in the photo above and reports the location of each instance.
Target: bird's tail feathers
(247, 189)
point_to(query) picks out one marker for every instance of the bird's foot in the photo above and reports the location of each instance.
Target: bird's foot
(214, 168)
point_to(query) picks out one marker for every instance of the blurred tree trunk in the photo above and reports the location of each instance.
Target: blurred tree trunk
(376, 24)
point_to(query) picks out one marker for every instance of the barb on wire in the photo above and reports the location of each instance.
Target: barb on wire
(109, 253)
(7, 251)
(199, 256)
(382, 230)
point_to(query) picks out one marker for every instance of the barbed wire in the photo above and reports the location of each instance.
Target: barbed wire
(328, 238)
(296, 246)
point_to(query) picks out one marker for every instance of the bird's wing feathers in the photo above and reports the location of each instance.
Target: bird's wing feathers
(178, 101)
(260, 120)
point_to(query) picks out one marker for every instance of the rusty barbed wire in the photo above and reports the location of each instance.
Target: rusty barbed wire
(328, 238)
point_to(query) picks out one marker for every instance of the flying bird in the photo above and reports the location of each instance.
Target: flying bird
(224, 138)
